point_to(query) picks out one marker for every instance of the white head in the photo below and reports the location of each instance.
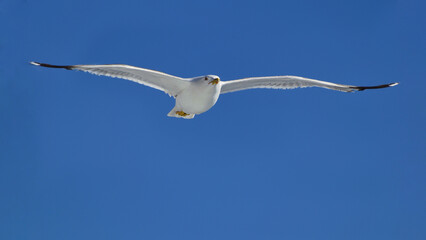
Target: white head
(209, 79)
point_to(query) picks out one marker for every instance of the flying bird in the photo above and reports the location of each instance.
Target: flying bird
(197, 95)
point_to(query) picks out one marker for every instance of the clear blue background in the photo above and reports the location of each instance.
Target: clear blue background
(88, 157)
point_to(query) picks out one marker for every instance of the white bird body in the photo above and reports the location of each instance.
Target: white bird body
(197, 95)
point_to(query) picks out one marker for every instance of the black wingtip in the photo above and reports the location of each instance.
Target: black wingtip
(68, 67)
(375, 87)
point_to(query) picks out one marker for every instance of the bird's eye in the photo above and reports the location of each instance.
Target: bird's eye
(206, 78)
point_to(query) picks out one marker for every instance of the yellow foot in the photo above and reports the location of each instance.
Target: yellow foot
(182, 113)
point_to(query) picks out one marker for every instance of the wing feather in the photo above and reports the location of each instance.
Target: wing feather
(289, 82)
(172, 85)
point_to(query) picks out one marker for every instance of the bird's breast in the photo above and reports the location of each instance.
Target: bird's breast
(198, 98)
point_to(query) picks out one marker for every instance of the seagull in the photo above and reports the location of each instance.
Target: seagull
(198, 94)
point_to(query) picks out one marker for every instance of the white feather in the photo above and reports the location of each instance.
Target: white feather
(172, 85)
(284, 82)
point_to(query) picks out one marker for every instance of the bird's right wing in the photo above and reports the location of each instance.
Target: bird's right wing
(289, 82)
(172, 85)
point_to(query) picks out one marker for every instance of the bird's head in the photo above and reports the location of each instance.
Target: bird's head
(210, 79)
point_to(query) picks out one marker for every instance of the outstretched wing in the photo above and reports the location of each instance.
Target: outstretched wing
(289, 82)
(172, 85)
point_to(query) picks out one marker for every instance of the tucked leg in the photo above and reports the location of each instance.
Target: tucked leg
(182, 113)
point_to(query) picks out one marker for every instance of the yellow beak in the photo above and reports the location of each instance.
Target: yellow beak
(214, 81)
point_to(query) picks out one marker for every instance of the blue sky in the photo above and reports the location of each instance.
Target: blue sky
(89, 157)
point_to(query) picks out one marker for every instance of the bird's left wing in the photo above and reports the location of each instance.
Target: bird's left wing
(172, 85)
(289, 82)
